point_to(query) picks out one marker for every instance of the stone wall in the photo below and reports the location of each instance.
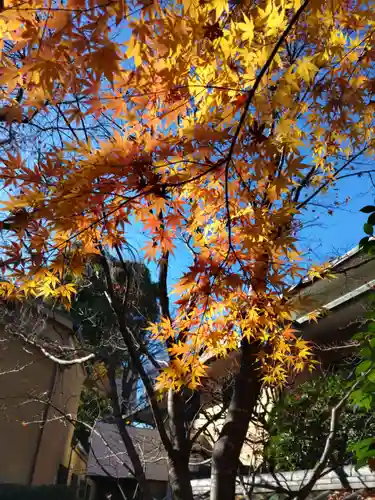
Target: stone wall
(358, 480)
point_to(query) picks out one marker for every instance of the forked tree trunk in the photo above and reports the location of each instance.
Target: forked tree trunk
(227, 449)
(179, 479)
(138, 468)
(177, 445)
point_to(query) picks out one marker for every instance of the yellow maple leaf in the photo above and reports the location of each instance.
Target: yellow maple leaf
(306, 69)
(285, 127)
(65, 291)
(134, 50)
(45, 290)
(179, 349)
(220, 7)
(247, 28)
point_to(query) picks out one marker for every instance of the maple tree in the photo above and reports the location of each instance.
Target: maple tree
(224, 119)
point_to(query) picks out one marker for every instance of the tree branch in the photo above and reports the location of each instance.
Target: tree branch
(322, 462)
(134, 356)
(64, 362)
(325, 184)
(208, 422)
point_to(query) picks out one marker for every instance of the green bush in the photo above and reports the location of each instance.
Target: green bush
(48, 492)
(299, 424)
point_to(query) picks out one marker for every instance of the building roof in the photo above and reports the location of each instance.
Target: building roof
(354, 280)
(108, 456)
(333, 264)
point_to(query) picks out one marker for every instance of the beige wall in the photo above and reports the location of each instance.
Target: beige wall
(219, 370)
(251, 453)
(57, 433)
(34, 439)
(77, 462)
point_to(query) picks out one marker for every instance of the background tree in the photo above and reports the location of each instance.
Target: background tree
(96, 328)
(298, 424)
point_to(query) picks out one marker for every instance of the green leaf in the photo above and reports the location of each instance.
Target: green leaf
(358, 336)
(368, 209)
(370, 248)
(368, 229)
(363, 367)
(365, 353)
(362, 445)
(363, 242)
(365, 403)
(363, 450)
(360, 463)
(357, 396)
(371, 219)
(371, 376)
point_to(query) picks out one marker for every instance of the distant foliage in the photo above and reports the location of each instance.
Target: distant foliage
(96, 327)
(368, 241)
(299, 424)
(91, 311)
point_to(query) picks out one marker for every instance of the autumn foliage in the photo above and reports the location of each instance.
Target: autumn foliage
(228, 117)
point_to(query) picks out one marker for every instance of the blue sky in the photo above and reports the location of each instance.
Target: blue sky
(330, 236)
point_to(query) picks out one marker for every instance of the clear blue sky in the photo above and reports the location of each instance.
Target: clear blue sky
(327, 236)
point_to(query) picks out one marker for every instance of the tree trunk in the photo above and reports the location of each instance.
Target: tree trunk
(227, 449)
(176, 444)
(139, 473)
(179, 479)
(178, 463)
